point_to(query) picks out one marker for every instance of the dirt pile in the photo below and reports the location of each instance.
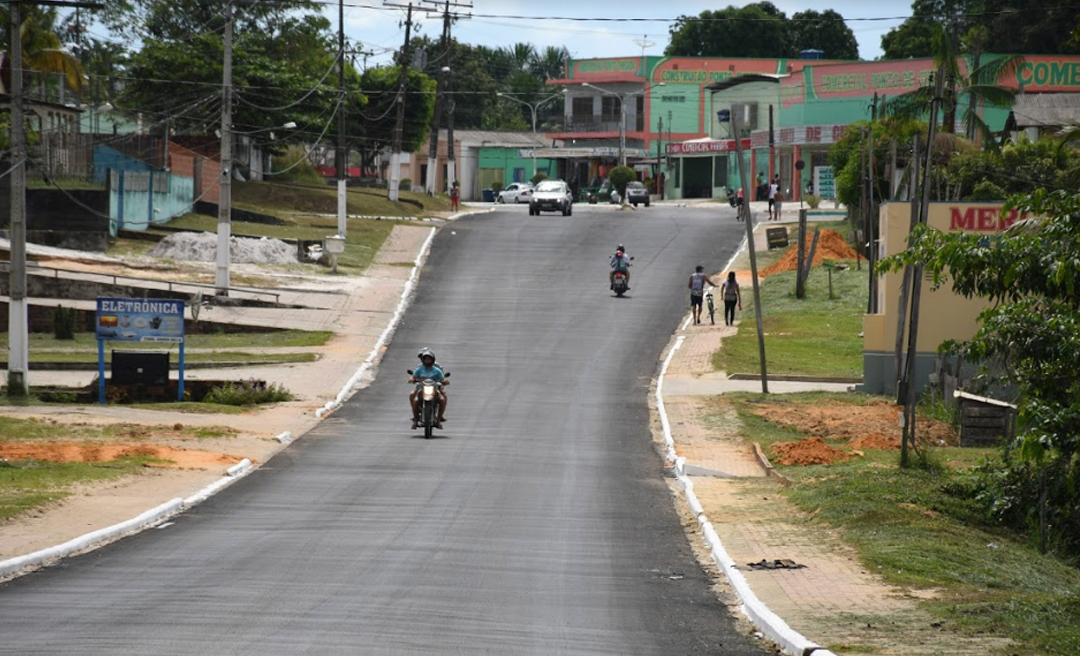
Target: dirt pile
(875, 425)
(202, 247)
(831, 246)
(811, 451)
(90, 452)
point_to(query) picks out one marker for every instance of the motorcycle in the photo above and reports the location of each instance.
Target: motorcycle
(732, 199)
(620, 283)
(429, 403)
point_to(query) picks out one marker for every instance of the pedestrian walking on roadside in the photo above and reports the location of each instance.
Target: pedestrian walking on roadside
(778, 202)
(730, 291)
(697, 291)
(773, 188)
(455, 196)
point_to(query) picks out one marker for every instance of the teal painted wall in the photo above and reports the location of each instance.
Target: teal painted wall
(511, 164)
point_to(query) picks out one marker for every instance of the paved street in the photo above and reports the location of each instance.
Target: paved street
(538, 521)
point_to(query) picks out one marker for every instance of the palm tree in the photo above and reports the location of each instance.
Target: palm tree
(550, 63)
(964, 90)
(520, 55)
(42, 52)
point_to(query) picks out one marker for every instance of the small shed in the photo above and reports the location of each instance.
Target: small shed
(984, 421)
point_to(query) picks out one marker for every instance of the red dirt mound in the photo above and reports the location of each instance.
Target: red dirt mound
(82, 452)
(811, 451)
(831, 246)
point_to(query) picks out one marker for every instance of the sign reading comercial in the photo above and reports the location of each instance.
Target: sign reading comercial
(713, 146)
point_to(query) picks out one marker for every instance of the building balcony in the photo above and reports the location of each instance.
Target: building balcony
(592, 126)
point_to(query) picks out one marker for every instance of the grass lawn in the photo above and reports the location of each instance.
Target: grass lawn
(25, 485)
(919, 530)
(813, 336)
(228, 347)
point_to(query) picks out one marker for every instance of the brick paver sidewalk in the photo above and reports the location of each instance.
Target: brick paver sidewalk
(833, 600)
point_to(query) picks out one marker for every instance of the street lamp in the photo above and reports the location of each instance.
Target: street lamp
(533, 107)
(622, 112)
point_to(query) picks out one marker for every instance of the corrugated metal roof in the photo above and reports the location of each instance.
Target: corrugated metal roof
(494, 138)
(1046, 109)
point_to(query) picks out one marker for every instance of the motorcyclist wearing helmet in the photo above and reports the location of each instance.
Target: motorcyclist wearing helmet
(620, 261)
(428, 369)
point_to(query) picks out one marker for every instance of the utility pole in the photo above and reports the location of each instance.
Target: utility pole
(659, 138)
(340, 153)
(18, 318)
(451, 158)
(399, 124)
(908, 437)
(18, 312)
(224, 226)
(871, 222)
(436, 116)
(748, 220)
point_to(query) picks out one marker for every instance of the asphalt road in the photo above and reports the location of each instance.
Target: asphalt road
(538, 522)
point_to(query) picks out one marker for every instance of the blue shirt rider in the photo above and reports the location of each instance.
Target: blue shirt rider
(620, 261)
(428, 369)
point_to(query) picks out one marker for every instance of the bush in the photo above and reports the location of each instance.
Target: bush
(538, 178)
(813, 201)
(294, 166)
(405, 184)
(64, 323)
(496, 187)
(620, 176)
(247, 392)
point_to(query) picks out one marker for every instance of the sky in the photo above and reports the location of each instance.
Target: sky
(499, 23)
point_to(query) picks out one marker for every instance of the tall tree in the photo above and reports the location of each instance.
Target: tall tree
(550, 63)
(177, 19)
(825, 31)
(756, 30)
(379, 117)
(42, 51)
(967, 88)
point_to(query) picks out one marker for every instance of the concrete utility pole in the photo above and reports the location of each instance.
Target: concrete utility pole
(224, 226)
(18, 321)
(399, 124)
(18, 312)
(436, 116)
(748, 219)
(340, 152)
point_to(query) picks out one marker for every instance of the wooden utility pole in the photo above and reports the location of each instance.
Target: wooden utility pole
(748, 220)
(871, 217)
(908, 438)
(905, 284)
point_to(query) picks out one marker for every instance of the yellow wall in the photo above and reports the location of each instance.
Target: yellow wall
(942, 314)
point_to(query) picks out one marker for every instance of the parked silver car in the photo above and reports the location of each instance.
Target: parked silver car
(636, 193)
(552, 196)
(516, 192)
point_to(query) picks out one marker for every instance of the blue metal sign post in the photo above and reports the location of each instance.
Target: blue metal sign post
(139, 320)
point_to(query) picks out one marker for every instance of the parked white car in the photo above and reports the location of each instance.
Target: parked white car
(516, 192)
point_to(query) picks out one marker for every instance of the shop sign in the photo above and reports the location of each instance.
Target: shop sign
(824, 182)
(696, 147)
(140, 320)
(981, 219)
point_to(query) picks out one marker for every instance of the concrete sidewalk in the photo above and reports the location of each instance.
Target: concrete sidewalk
(832, 604)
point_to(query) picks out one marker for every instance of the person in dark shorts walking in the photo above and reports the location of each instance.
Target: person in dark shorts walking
(697, 291)
(730, 291)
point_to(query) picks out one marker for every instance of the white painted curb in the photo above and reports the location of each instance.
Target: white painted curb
(406, 296)
(234, 473)
(768, 622)
(42, 557)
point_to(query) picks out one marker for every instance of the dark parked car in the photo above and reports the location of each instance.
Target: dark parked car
(636, 193)
(552, 196)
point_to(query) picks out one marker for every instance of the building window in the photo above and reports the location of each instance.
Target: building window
(609, 109)
(581, 109)
(519, 175)
(675, 168)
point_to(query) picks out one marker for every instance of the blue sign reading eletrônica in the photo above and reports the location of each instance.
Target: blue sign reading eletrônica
(140, 320)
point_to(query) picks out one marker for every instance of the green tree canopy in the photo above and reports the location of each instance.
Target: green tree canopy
(756, 30)
(825, 31)
(1030, 331)
(380, 116)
